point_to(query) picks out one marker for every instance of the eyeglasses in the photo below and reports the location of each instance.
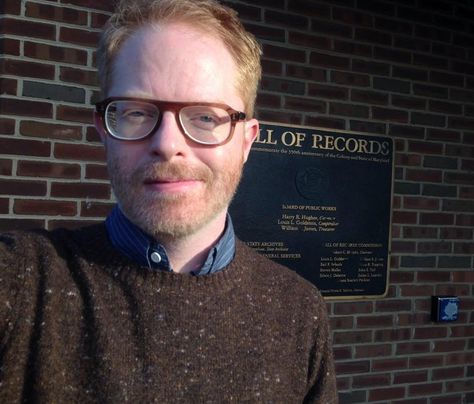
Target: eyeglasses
(130, 118)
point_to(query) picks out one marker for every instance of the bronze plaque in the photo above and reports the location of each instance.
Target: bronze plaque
(319, 202)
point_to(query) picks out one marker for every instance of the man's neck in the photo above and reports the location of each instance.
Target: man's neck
(188, 254)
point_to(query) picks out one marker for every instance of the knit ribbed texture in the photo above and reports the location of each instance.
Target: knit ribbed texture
(81, 323)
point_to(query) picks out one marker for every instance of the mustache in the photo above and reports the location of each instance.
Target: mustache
(175, 171)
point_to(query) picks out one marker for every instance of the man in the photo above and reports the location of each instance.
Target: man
(162, 303)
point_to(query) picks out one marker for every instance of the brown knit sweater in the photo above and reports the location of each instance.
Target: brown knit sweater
(80, 323)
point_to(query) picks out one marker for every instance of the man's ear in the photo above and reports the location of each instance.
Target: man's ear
(251, 132)
(99, 126)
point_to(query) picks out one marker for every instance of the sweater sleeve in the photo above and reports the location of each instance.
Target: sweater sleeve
(321, 387)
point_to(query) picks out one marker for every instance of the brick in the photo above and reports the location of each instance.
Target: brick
(392, 55)
(9, 46)
(423, 175)
(399, 247)
(388, 364)
(247, 12)
(447, 79)
(426, 389)
(420, 203)
(449, 51)
(417, 232)
(4, 205)
(411, 44)
(96, 172)
(34, 168)
(25, 147)
(342, 353)
(372, 351)
(309, 41)
(272, 67)
(306, 73)
(21, 187)
(8, 86)
(367, 126)
(434, 276)
(272, 116)
(464, 248)
(342, 322)
(431, 91)
(352, 48)
(447, 373)
(329, 28)
(451, 205)
(352, 17)
(92, 136)
(440, 162)
(424, 119)
(284, 53)
(408, 102)
(57, 14)
(98, 19)
(456, 233)
(6, 166)
(418, 262)
(449, 346)
(74, 114)
(350, 79)
(23, 68)
(305, 105)
(81, 152)
(425, 147)
(53, 92)
(353, 396)
(27, 29)
(13, 106)
(396, 334)
(371, 380)
(406, 131)
(286, 20)
(50, 130)
(415, 291)
(354, 337)
(325, 91)
(463, 331)
(466, 192)
(460, 151)
(388, 114)
(372, 36)
(352, 367)
(405, 159)
(104, 5)
(443, 135)
(375, 321)
(372, 67)
(404, 217)
(410, 73)
(20, 224)
(309, 9)
(432, 361)
(439, 190)
(55, 53)
(283, 86)
(409, 348)
(369, 97)
(350, 110)
(391, 85)
(459, 178)
(7, 126)
(95, 209)
(461, 95)
(269, 100)
(436, 219)
(331, 61)
(445, 107)
(353, 308)
(80, 190)
(325, 122)
(463, 276)
(410, 377)
(264, 32)
(44, 207)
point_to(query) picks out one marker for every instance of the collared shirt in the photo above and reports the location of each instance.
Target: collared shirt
(140, 247)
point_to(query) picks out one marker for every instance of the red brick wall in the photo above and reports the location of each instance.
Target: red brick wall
(403, 68)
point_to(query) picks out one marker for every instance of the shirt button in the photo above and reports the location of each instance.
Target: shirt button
(155, 257)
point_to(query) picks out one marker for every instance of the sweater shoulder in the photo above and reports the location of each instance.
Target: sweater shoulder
(273, 276)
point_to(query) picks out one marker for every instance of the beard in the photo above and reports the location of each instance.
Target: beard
(173, 215)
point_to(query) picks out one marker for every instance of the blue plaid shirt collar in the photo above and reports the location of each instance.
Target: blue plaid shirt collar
(141, 248)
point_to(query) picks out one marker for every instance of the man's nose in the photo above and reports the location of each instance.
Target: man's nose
(168, 140)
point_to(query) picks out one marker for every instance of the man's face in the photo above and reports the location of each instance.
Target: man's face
(168, 185)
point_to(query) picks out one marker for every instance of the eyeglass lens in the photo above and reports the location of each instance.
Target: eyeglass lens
(129, 120)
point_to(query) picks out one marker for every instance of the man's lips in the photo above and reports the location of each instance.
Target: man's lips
(171, 184)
